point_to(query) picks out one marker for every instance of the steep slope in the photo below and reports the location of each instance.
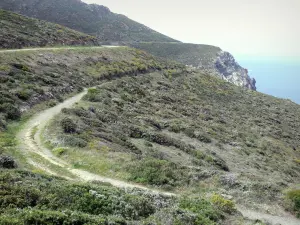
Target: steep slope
(209, 59)
(17, 31)
(91, 19)
(32, 77)
(184, 131)
(113, 28)
(150, 122)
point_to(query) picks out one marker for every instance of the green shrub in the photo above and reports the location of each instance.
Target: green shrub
(174, 127)
(165, 140)
(59, 151)
(12, 112)
(294, 197)
(74, 141)
(21, 67)
(155, 172)
(68, 125)
(24, 94)
(49, 217)
(93, 95)
(223, 204)
(205, 210)
(52, 103)
(190, 132)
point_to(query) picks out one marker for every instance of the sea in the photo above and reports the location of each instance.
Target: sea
(280, 78)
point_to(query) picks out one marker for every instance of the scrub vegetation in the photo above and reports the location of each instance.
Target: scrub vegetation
(182, 131)
(17, 31)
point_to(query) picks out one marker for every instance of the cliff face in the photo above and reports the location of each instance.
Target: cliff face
(228, 69)
(209, 59)
(224, 66)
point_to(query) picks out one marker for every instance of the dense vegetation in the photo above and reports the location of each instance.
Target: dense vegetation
(188, 54)
(181, 130)
(18, 31)
(29, 78)
(91, 19)
(30, 198)
(294, 201)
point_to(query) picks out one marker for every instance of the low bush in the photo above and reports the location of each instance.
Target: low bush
(7, 162)
(59, 151)
(207, 214)
(49, 217)
(155, 172)
(41, 199)
(192, 133)
(68, 125)
(165, 140)
(24, 94)
(294, 198)
(223, 204)
(74, 141)
(12, 112)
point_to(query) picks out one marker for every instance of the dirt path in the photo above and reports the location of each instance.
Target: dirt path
(30, 141)
(285, 219)
(50, 49)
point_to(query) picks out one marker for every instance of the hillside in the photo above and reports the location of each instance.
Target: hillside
(184, 131)
(149, 122)
(90, 19)
(116, 29)
(31, 77)
(17, 31)
(34, 80)
(209, 59)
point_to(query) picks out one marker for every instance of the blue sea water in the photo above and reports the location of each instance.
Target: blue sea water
(275, 77)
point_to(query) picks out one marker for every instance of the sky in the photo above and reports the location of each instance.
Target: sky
(265, 28)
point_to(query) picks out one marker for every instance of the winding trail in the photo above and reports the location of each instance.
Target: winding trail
(286, 219)
(30, 142)
(54, 48)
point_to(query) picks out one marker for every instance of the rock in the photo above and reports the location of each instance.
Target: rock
(7, 162)
(225, 67)
(231, 71)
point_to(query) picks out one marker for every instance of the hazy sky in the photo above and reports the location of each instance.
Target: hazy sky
(243, 27)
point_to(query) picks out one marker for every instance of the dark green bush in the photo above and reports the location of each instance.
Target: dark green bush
(93, 95)
(294, 197)
(163, 139)
(12, 112)
(155, 172)
(68, 125)
(174, 127)
(47, 200)
(24, 94)
(207, 212)
(192, 133)
(74, 141)
(49, 217)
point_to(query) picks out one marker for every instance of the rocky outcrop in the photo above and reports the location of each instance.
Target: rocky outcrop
(224, 66)
(209, 59)
(228, 69)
